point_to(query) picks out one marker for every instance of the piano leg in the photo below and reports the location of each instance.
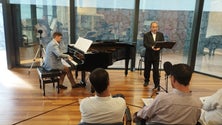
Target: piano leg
(126, 66)
(83, 81)
(76, 74)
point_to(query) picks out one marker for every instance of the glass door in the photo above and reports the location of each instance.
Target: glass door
(33, 17)
(209, 51)
(3, 61)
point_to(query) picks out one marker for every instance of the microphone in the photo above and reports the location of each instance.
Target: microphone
(40, 31)
(167, 67)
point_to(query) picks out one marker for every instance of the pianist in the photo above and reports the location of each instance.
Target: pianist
(53, 60)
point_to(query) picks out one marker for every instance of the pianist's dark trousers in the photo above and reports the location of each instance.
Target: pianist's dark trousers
(156, 76)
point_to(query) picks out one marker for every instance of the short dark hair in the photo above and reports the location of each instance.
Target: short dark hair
(182, 73)
(99, 79)
(56, 34)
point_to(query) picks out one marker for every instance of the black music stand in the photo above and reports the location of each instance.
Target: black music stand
(167, 45)
(164, 44)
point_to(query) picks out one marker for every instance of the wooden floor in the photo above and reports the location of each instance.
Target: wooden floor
(22, 103)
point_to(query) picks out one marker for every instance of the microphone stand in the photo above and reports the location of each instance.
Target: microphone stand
(40, 51)
(168, 45)
(166, 76)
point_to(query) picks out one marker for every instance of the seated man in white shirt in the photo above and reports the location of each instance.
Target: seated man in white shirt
(212, 109)
(176, 107)
(102, 108)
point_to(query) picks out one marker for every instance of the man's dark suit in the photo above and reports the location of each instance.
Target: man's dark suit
(152, 57)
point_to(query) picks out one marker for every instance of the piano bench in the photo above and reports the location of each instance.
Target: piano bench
(46, 77)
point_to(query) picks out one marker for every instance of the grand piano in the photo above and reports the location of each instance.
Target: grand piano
(101, 55)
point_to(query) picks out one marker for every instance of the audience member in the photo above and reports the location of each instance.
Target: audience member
(177, 107)
(102, 108)
(212, 109)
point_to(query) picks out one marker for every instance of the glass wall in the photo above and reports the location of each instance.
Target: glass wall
(105, 20)
(114, 20)
(2, 30)
(3, 61)
(39, 20)
(175, 18)
(209, 52)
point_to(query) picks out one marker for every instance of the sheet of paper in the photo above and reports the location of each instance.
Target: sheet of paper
(72, 44)
(147, 101)
(83, 44)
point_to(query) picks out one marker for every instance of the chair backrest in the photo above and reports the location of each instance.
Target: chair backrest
(128, 118)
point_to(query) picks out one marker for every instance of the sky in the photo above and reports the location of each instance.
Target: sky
(189, 5)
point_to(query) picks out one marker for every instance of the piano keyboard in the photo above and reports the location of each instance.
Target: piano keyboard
(73, 62)
(68, 62)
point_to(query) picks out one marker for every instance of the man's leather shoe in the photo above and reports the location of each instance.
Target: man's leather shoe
(61, 87)
(146, 84)
(156, 88)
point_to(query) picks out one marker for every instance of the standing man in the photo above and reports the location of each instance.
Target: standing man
(152, 54)
(53, 60)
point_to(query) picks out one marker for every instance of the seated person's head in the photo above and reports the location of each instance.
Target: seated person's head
(181, 73)
(99, 79)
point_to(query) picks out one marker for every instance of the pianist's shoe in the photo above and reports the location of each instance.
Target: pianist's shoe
(61, 87)
(145, 84)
